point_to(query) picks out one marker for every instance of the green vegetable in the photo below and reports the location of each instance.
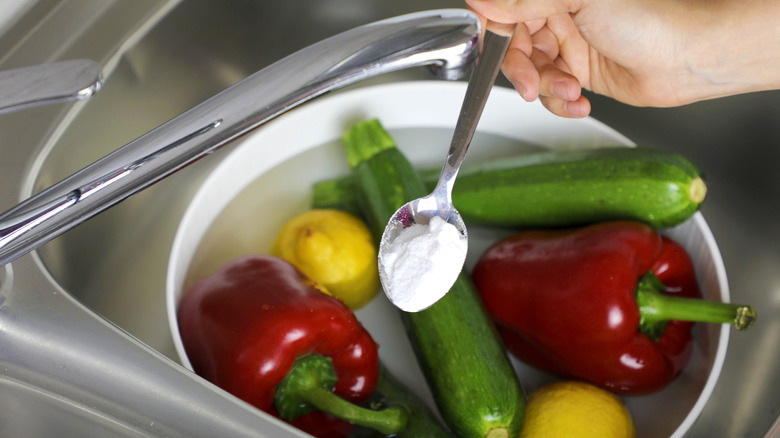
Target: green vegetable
(562, 188)
(392, 393)
(308, 387)
(464, 362)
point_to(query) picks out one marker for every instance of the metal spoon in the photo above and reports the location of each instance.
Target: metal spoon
(421, 211)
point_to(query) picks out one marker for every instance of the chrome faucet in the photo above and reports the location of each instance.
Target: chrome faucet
(49, 83)
(445, 40)
(81, 365)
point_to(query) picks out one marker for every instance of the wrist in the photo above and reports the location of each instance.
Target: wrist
(734, 49)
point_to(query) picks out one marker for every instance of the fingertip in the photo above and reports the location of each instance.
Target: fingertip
(577, 108)
(528, 94)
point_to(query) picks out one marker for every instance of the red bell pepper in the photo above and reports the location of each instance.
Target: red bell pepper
(611, 303)
(264, 332)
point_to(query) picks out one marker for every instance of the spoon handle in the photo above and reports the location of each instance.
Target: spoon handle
(495, 44)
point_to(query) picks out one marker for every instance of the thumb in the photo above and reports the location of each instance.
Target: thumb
(520, 11)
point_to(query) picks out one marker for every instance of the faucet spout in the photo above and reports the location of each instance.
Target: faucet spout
(444, 40)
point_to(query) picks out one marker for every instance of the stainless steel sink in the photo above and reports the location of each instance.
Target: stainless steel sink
(164, 57)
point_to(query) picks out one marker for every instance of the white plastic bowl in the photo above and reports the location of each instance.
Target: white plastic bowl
(266, 180)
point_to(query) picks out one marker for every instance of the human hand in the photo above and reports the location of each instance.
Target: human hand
(642, 52)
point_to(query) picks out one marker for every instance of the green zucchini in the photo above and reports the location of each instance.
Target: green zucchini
(465, 364)
(562, 188)
(389, 393)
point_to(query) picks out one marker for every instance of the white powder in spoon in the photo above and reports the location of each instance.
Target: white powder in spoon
(422, 264)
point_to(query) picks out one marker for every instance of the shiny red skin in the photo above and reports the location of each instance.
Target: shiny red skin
(244, 326)
(564, 301)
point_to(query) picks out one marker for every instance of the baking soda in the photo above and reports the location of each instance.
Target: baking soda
(422, 264)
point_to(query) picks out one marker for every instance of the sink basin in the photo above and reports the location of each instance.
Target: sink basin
(164, 57)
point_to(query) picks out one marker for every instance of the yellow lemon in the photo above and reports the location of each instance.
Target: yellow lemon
(576, 409)
(335, 249)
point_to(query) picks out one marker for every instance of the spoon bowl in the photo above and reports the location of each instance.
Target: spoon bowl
(406, 265)
(424, 245)
(420, 212)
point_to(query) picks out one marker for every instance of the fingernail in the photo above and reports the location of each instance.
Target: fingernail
(523, 92)
(574, 108)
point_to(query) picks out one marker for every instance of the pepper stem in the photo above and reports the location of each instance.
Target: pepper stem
(656, 309)
(307, 388)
